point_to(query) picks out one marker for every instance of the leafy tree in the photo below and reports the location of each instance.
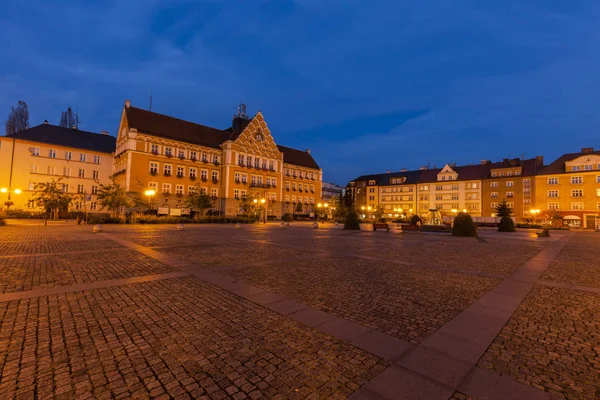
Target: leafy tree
(338, 207)
(503, 210)
(249, 207)
(18, 118)
(348, 197)
(351, 222)
(464, 225)
(197, 200)
(378, 214)
(68, 119)
(415, 219)
(51, 198)
(113, 196)
(506, 224)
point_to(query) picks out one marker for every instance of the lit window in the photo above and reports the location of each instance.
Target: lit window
(52, 153)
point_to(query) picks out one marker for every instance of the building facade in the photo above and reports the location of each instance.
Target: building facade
(174, 157)
(330, 190)
(81, 160)
(570, 187)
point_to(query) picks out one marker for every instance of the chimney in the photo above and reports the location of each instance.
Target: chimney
(403, 170)
(308, 151)
(104, 132)
(45, 122)
(483, 162)
(388, 172)
(127, 103)
(504, 160)
(587, 150)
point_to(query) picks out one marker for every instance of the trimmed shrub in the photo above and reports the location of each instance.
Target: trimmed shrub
(287, 217)
(96, 219)
(464, 226)
(2, 222)
(415, 219)
(506, 225)
(351, 221)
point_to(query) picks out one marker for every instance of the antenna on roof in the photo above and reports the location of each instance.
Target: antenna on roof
(150, 99)
(241, 111)
(523, 156)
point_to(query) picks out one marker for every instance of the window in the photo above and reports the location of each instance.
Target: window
(493, 174)
(286, 198)
(180, 171)
(552, 206)
(68, 155)
(244, 178)
(438, 206)
(510, 204)
(249, 161)
(455, 196)
(179, 189)
(526, 180)
(193, 155)
(51, 170)
(80, 189)
(31, 203)
(517, 173)
(576, 168)
(166, 188)
(510, 183)
(81, 173)
(257, 162)
(272, 165)
(35, 151)
(204, 174)
(501, 173)
(214, 192)
(31, 185)
(438, 187)
(576, 179)
(82, 157)
(193, 172)
(154, 148)
(215, 159)
(95, 174)
(96, 159)
(168, 152)
(215, 176)
(598, 192)
(494, 195)
(287, 184)
(598, 177)
(168, 170)
(424, 187)
(236, 193)
(181, 154)
(293, 186)
(192, 189)
(552, 193)
(438, 197)
(577, 206)
(509, 173)
(153, 185)
(494, 205)
(293, 199)
(93, 206)
(472, 206)
(94, 189)
(66, 171)
(455, 206)
(240, 159)
(588, 167)
(552, 181)
(34, 168)
(577, 193)
(52, 153)
(454, 187)
(65, 187)
(153, 167)
(510, 194)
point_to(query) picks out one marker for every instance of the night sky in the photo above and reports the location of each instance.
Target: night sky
(366, 85)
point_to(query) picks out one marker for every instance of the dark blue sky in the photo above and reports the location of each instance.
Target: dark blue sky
(367, 85)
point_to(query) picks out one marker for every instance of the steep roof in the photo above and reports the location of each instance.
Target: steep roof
(52, 134)
(298, 157)
(558, 166)
(384, 178)
(173, 128)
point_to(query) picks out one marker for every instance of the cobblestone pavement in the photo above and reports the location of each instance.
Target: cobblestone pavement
(578, 263)
(129, 329)
(38, 272)
(405, 302)
(176, 337)
(552, 342)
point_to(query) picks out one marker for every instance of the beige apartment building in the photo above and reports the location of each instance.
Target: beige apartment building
(82, 160)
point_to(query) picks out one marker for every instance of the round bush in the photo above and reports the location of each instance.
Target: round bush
(351, 221)
(415, 219)
(287, 217)
(464, 226)
(506, 225)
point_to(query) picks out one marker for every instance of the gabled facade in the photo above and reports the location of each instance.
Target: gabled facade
(570, 186)
(172, 157)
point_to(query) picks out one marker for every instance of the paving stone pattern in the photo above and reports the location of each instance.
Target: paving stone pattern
(38, 272)
(578, 263)
(405, 302)
(171, 337)
(552, 342)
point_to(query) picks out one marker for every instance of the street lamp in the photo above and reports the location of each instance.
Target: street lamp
(150, 193)
(9, 191)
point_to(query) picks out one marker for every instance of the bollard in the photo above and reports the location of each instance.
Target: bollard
(315, 224)
(97, 228)
(238, 225)
(180, 227)
(282, 225)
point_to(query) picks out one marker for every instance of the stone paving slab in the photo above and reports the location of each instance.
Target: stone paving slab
(405, 302)
(552, 343)
(39, 272)
(169, 338)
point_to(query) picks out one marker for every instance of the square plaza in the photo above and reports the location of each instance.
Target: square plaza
(262, 311)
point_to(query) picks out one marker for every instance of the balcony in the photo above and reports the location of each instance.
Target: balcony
(152, 172)
(193, 159)
(193, 177)
(180, 176)
(181, 157)
(167, 173)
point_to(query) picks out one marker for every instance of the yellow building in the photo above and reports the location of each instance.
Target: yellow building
(82, 160)
(172, 157)
(570, 186)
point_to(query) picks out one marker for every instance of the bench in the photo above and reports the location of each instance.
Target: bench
(405, 228)
(381, 225)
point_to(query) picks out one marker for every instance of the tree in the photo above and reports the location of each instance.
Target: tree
(113, 196)
(338, 207)
(506, 224)
(197, 200)
(299, 207)
(351, 222)
(378, 213)
(68, 119)
(18, 118)
(464, 225)
(503, 210)
(348, 197)
(51, 197)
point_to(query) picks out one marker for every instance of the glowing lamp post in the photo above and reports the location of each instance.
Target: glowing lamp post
(16, 191)
(150, 193)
